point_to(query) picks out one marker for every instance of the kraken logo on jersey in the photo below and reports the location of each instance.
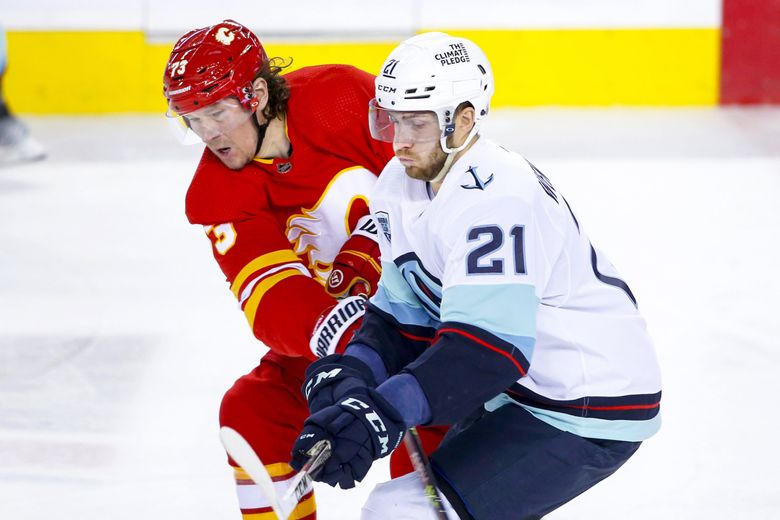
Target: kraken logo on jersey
(479, 184)
(319, 231)
(384, 221)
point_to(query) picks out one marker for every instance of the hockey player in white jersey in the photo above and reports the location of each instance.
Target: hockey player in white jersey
(494, 314)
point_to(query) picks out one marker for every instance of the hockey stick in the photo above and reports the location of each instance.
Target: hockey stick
(318, 454)
(241, 452)
(423, 468)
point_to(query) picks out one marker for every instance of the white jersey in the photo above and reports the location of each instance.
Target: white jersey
(498, 256)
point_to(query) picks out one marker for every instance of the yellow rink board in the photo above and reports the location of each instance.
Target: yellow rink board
(120, 72)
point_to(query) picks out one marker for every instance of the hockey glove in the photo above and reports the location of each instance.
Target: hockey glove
(332, 377)
(356, 267)
(363, 427)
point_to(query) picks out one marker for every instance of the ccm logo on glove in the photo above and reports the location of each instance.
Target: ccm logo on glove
(373, 419)
(319, 378)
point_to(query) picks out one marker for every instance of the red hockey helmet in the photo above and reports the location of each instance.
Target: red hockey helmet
(210, 64)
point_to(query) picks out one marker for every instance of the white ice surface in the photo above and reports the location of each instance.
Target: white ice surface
(118, 334)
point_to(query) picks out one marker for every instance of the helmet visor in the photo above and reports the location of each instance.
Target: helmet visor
(403, 127)
(209, 122)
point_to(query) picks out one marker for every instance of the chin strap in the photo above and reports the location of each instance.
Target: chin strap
(452, 152)
(260, 133)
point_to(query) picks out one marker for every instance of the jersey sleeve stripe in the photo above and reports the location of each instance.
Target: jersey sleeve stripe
(478, 365)
(402, 311)
(502, 309)
(623, 407)
(520, 368)
(395, 286)
(246, 292)
(616, 429)
(261, 262)
(414, 337)
(250, 309)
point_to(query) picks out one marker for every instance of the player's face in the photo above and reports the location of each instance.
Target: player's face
(416, 144)
(227, 130)
(236, 147)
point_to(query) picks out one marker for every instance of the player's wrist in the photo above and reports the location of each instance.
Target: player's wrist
(366, 227)
(370, 358)
(356, 268)
(335, 326)
(404, 393)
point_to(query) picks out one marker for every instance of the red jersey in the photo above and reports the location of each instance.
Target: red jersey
(277, 224)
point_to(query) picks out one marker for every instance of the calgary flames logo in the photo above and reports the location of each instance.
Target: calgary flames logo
(225, 36)
(320, 231)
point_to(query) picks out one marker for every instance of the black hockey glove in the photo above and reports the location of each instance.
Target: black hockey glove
(332, 377)
(361, 428)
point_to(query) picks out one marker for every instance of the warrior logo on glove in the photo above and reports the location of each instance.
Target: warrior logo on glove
(331, 331)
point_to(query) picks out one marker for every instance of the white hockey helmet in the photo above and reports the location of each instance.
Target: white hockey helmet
(431, 72)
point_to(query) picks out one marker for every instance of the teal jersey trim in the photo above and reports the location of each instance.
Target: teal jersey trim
(508, 310)
(615, 430)
(395, 297)
(402, 311)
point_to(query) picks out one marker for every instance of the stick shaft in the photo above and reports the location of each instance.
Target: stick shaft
(424, 471)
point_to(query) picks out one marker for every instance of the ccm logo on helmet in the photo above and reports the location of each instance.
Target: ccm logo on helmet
(385, 88)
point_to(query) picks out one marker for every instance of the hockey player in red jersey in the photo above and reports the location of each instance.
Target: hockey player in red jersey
(282, 193)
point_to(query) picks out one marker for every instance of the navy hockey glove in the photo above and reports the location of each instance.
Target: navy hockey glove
(363, 427)
(332, 377)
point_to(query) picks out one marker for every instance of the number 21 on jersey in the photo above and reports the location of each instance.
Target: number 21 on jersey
(491, 239)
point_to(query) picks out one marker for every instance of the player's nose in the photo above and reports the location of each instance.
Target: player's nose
(401, 141)
(210, 135)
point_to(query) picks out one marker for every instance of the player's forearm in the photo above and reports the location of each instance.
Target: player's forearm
(397, 344)
(371, 358)
(464, 369)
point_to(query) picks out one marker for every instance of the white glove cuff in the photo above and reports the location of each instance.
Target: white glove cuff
(366, 226)
(332, 326)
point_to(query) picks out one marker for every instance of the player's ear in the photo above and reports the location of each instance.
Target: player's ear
(261, 91)
(465, 118)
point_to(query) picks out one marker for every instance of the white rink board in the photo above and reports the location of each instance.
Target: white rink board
(338, 18)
